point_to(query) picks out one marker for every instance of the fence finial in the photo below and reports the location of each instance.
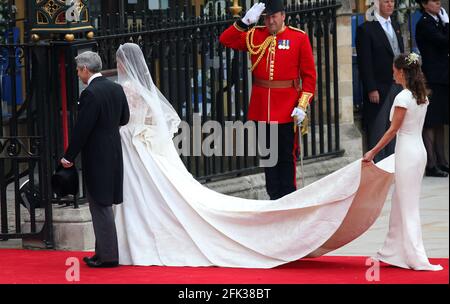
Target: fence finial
(235, 9)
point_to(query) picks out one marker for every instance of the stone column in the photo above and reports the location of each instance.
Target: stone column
(344, 50)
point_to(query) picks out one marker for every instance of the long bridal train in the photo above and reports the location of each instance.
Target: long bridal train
(366, 206)
(168, 218)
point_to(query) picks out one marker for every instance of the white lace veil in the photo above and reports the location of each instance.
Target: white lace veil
(132, 68)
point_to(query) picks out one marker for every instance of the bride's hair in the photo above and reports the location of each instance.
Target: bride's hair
(415, 80)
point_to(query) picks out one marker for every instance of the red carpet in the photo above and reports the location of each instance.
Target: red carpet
(49, 267)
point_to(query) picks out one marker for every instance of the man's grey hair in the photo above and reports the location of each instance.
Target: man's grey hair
(90, 60)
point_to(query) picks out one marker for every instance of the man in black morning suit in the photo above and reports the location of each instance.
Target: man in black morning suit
(378, 42)
(103, 109)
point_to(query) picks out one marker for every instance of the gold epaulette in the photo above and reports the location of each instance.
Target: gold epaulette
(296, 29)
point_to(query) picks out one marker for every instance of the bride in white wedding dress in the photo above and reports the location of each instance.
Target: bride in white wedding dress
(168, 218)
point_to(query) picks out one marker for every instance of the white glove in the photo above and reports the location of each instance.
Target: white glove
(300, 114)
(443, 15)
(253, 14)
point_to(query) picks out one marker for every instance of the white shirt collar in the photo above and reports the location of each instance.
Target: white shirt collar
(381, 19)
(93, 77)
(434, 17)
(385, 24)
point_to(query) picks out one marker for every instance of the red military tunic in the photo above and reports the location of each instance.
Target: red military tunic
(291, 59)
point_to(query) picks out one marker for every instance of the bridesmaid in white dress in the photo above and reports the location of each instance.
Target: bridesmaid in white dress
(168, 218)
(404, 246)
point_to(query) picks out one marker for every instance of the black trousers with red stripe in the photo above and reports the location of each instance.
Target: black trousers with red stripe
(281, 178)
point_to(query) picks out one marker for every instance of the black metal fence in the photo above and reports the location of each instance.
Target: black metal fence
(198, 75)
(24, 141)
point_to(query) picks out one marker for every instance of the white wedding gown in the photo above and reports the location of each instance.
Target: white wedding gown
(404, 246)
(168, 218)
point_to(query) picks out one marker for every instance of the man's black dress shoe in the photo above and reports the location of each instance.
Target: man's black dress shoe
(92, 258)
(435, 172)
(443, 168)
(99, 264)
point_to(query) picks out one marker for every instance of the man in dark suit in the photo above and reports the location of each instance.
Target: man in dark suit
(378, 42)
(432, 41)
(103, 109)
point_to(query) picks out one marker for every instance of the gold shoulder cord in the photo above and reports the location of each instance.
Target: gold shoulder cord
(259, 49)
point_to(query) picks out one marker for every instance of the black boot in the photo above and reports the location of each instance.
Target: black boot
(443, 168)
(436, 172)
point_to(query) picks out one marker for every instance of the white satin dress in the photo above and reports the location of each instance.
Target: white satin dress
(404, 245)
(168, 218)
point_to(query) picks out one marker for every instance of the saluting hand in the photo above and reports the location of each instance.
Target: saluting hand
(253, 14)
(443, 15)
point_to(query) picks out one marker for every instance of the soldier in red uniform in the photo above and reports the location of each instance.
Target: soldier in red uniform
(281, 57)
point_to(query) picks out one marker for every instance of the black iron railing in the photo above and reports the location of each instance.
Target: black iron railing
(24, 143)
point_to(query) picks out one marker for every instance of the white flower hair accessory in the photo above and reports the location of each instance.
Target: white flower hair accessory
(412, 58)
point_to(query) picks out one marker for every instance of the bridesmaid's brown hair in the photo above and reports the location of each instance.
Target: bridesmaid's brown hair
(415, 80)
